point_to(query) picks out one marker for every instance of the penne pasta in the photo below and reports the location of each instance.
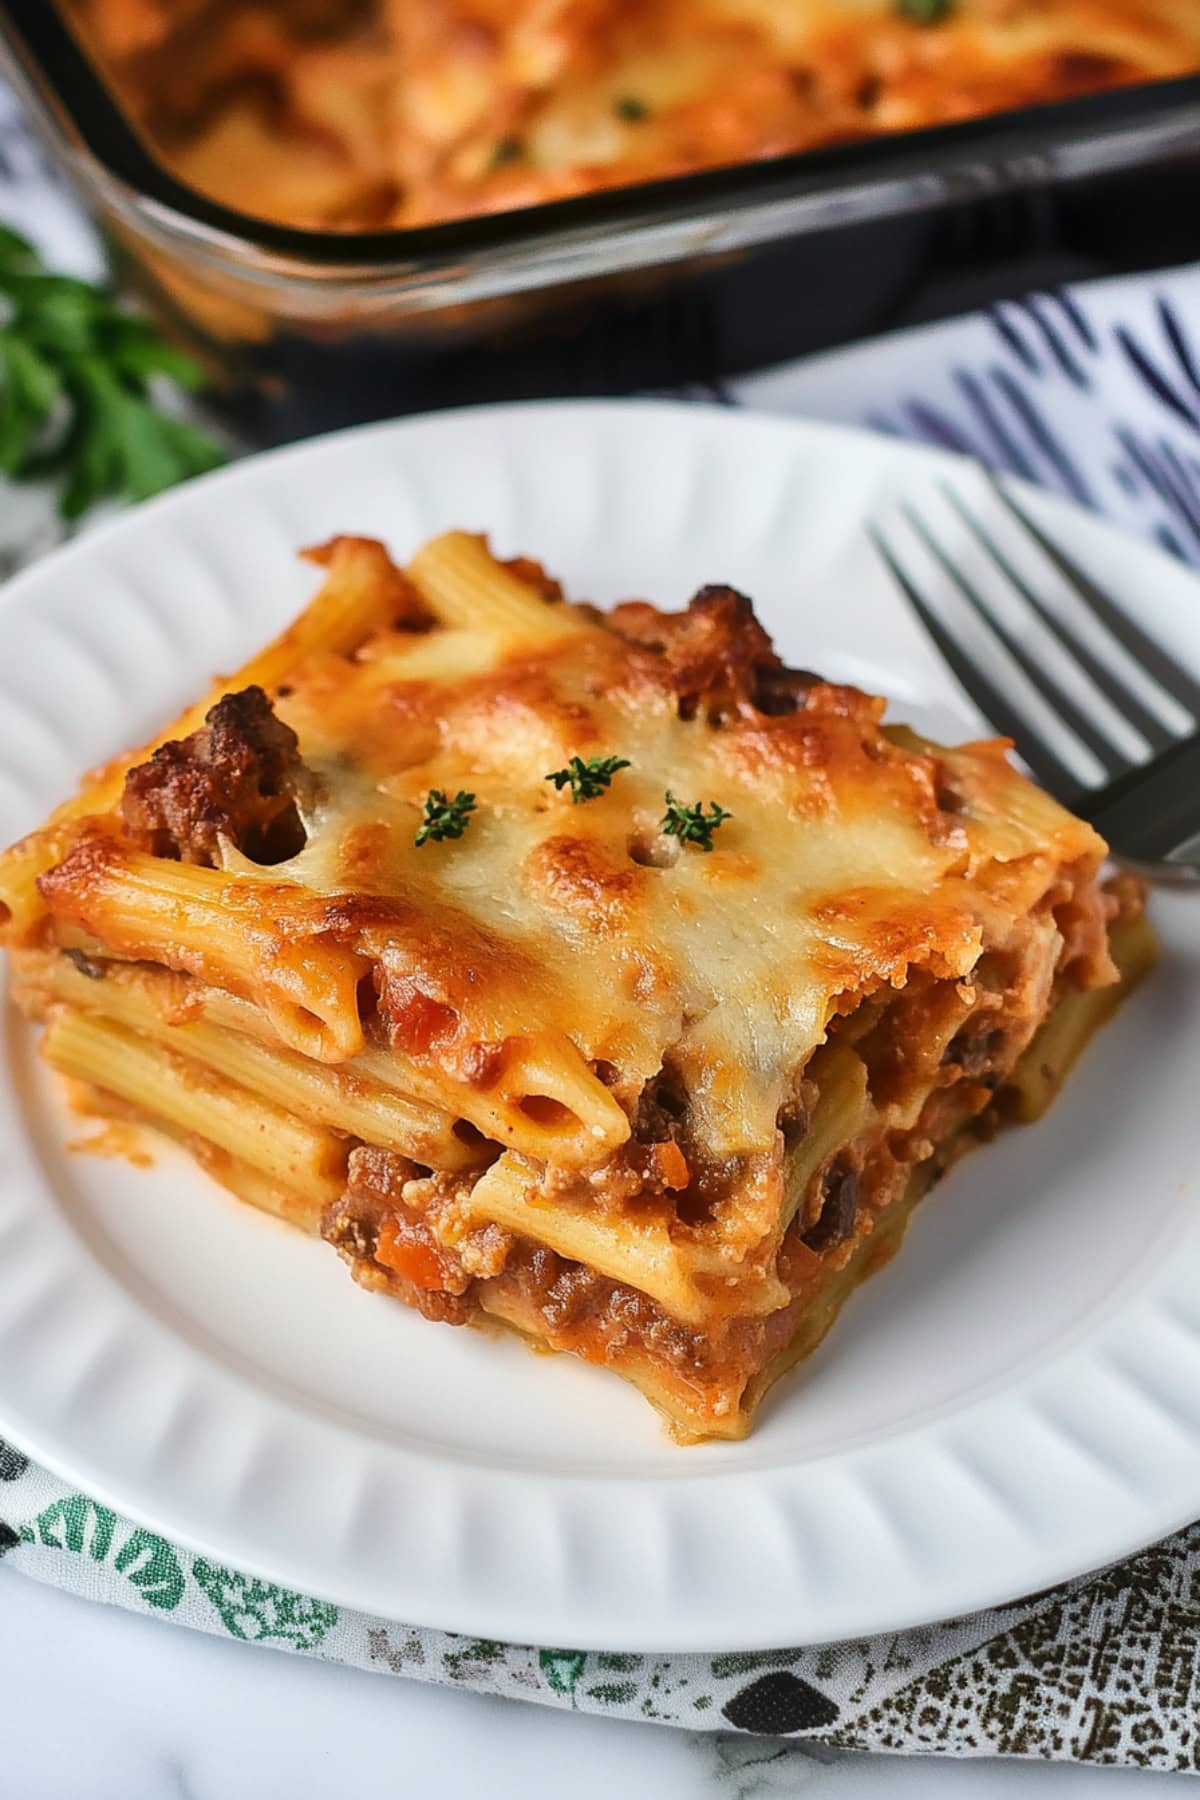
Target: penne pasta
(467, 588)
(260, 938)
(288, 1205)
(573, 1118)
(290, 1152)
(436, 656)
(343, 1098)
(680, 1276)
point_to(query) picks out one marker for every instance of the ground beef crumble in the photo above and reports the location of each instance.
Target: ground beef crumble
(238, 778)
(715, 655)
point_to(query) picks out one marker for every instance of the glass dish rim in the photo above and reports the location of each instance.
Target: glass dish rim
(51, 56)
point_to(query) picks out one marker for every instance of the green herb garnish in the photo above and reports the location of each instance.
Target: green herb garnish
(508, 150)
(924, 12)
(75, 389)
(589, 779)
(445, 818)
(631, 109)
(690, 824)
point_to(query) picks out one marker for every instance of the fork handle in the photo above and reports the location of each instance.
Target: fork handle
(1152, 814)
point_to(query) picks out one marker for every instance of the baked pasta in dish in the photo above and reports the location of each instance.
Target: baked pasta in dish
(352, 114)
(590, 972)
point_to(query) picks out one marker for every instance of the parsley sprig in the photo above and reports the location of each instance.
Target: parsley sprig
(588, 780)
(690, 824)
(445, 818)
(75, 389)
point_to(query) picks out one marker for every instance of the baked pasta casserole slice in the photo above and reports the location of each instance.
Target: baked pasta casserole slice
(593, 973)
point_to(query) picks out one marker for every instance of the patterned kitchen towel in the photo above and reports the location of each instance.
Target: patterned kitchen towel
(1094, 392)
(1105, 1670)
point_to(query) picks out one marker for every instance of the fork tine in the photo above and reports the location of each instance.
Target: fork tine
(1078, 722)
(1151, 727)
(1003, 718)
(1152, 657)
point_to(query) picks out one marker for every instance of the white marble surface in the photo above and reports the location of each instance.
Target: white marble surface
(97, 1704)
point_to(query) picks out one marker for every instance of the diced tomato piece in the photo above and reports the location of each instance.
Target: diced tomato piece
(406, 1254)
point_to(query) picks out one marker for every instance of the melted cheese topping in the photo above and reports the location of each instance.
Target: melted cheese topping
(408, 111)
(837, 872)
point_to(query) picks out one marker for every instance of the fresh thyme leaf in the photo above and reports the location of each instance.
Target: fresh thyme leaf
(924, 12)
(631, 109)
(445, 818)
(587, 780)
(690, 824)
(76, 394)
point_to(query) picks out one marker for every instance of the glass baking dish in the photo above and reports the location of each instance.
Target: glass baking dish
(683, 280)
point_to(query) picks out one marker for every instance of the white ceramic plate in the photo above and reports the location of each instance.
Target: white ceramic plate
(1014, 1400)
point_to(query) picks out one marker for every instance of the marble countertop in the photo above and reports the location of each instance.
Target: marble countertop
(97, 1704)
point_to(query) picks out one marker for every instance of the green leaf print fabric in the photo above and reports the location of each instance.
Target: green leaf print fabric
(1103, 1670)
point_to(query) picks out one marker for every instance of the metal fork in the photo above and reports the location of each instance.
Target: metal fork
(1147, 806)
